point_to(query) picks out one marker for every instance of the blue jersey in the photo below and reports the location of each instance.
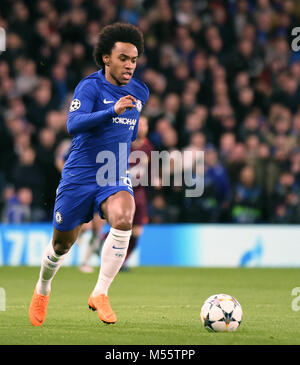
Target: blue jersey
(96, 127)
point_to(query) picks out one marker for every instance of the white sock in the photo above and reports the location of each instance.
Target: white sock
(112, 257)
(51, 262)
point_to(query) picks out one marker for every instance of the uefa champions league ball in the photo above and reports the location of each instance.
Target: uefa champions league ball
(221, 313)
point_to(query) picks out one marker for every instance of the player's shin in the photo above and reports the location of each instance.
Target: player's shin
(51, 262)
(112, 257)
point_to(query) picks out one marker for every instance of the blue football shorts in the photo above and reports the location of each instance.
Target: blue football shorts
(76, 203)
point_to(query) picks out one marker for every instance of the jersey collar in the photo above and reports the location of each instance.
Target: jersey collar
(104, 80)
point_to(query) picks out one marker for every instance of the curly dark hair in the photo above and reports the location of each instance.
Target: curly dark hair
(117, 32)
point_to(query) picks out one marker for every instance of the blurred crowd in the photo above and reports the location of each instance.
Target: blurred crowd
(223, 79)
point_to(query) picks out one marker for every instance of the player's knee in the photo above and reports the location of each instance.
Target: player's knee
(61, 247)
(123, 220)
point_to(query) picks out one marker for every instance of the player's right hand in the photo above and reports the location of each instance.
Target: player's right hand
(123, 103)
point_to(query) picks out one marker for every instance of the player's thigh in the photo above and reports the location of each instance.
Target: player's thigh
(119, 207)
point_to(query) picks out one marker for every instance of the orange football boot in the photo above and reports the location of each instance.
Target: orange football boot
(38, 308)
(102, 305)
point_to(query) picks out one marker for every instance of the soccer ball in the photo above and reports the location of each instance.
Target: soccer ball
(221, 313)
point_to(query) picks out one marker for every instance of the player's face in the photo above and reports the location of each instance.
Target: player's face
(121, 63)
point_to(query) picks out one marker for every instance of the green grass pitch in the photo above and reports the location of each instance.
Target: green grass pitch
(154, 305)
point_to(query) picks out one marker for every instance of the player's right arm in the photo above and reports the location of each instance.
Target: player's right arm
(81, 116)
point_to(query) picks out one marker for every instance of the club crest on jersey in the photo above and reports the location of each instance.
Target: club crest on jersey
(138, 105)
(58, 217)
(75, 105)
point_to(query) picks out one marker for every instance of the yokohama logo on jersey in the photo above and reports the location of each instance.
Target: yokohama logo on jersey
(127, 121)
